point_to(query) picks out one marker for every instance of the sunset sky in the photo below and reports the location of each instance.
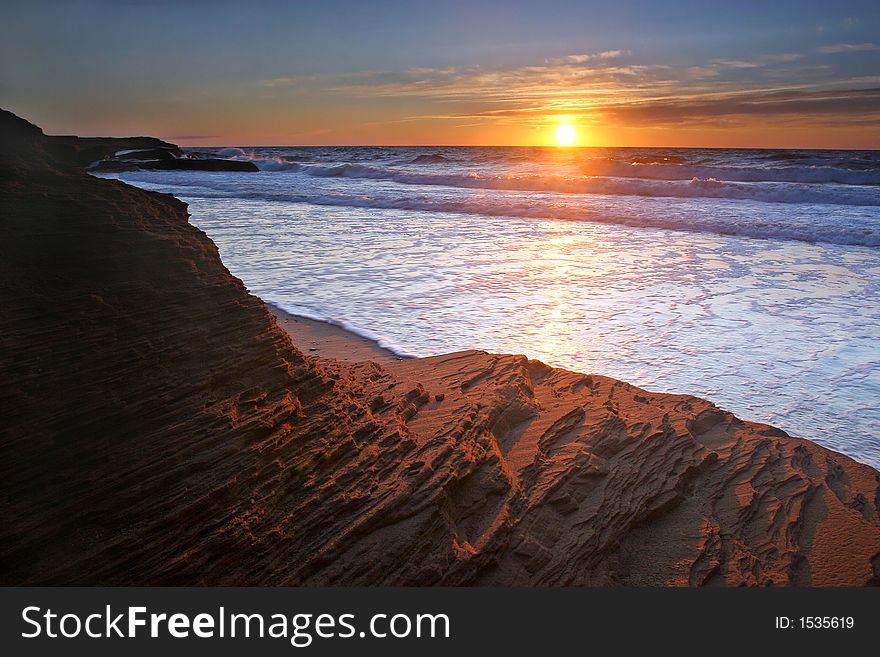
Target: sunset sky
(762, 74)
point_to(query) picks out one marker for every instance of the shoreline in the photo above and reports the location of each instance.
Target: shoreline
(325, 339)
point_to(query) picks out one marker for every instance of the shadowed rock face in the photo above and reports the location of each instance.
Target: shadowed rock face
(159, 428)
(136, 375)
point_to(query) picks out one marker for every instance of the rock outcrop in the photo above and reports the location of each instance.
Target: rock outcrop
(160, 428)
(138, 161)
(84, 151)
(113, 154)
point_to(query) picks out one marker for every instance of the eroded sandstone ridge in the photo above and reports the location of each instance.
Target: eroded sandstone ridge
(158, 427)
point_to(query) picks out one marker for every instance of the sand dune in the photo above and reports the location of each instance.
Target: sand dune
(160, 427)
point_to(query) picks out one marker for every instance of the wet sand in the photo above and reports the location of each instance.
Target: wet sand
(326, 340)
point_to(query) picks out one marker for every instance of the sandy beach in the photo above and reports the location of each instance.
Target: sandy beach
(326, 340)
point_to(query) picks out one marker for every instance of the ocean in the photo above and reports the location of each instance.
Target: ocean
(748, 277)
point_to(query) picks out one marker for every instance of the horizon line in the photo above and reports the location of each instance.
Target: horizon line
(543, 146)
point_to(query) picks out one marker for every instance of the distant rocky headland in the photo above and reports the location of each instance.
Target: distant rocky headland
(160, 427)
(113, 154)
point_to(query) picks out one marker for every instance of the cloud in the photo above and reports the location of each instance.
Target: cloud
(587, 57)
(477, 83)
(760, 61)
(848, 47)
(601, 88)
(804, 105)
(698, 72)
(847, 106)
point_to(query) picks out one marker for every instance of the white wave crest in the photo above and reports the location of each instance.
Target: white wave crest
(795, 174)
(695, 187)
(843, 225)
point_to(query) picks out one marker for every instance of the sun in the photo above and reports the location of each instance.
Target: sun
(566, 135)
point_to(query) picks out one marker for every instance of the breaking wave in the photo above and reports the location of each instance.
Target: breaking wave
(845, 225)
(695, 187)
